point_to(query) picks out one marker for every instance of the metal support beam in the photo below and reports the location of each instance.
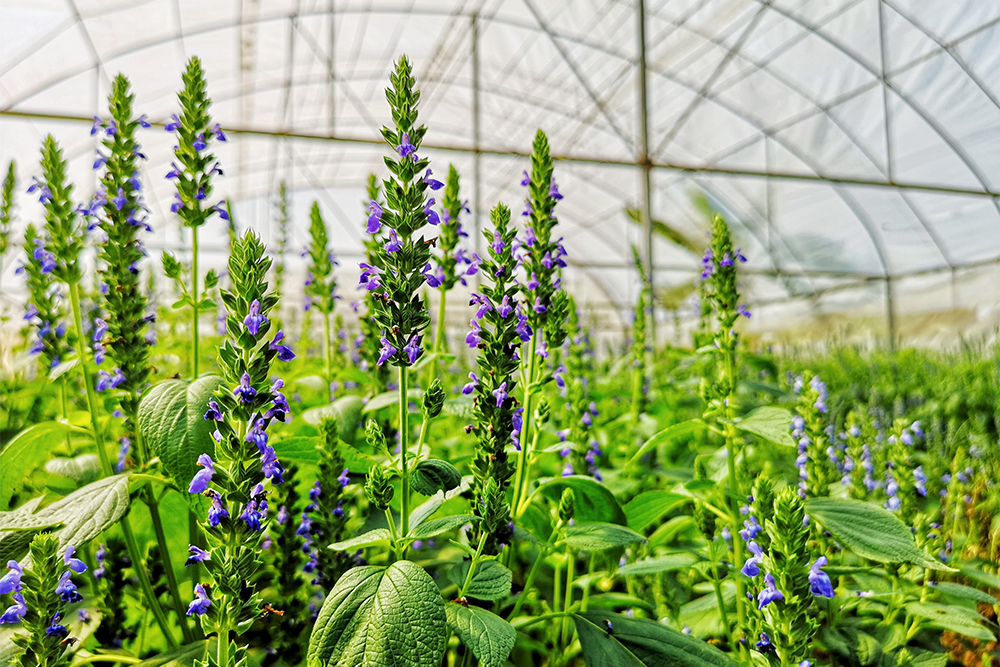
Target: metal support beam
(646, 167)
(477, 225)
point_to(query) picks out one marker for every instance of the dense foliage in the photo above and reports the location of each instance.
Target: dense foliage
(348, 486)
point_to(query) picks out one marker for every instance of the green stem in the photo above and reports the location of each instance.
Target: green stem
(64, 401)
(472, 566)
(542, 552)
(439, 334)
(570, 571)
(168, 566)
(327, 353)
(194, 298)
(717, 586)
(522, 459)
(223, 652)
(107, 657)
(734, 490)
(147, 588)
(403, 412)
(424, 425)
(194, 537)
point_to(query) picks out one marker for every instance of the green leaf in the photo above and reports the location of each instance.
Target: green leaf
(635, 642)
(458, 407)
(82, 469)
(647, 508)
(24, 453)
(870, 531)
(369, 539)
(489, 637)
(65, 367)
(491, 581)
(669, 434)
(434, 503)
(173, 424)
(951, 617)
(82, 515)
(599, 536)
(380, 617)
(979, 575)
(668, 563)
(616, 601)
(867, 649)
(182, 656)
(442, 525)
(702, 614)
(390, 398)
(964, 592)
(771, 423)
(434, 475)
(928, 659)
(347, 411)
(594, 501)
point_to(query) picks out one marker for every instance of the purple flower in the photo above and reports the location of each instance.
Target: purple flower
(257, 435)
(100, 329)
(523, 329)
(406, 149)
(554, 190)
(251, 516)
(120, 200)
(393, 244)
(67, 589)
(47, 259)
(254, 320)
(221, 209)
(526, 181)
(170, 127)
(386, 352)
(72, 563)
(742, 310)
(750, 568)
(474, 265)
(11, 582)
(472, 338)
(432, 216)
(345, 478)
(505, 309)
(217, 131)
(819, 581)
(567, 469)
(217, 512)
(770, 593)
(500, 393)
(470, 387)
(106, 380)
(213, 413)
(201, 603)
(533, 282)
(412, 348)
(245, 392)
(369, 276)
(202, 478)
(199, 143)
(198, 555)
(374, 217)
(498, 244)
(55, 629)
(178, 204)
(270, 465)
(15, 612)
(284, 352)
(539, 306)
(432, 183)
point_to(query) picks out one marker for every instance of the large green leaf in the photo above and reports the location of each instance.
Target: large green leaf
(599, 536)
(380, 617)
(610, 640)
(951, 617)
(182, 656)
(668, 434)
(371, 538)
(648, 507)
(82, 469)
(668, 563)
(594, 501)
(390, 398)
(964, 592)
(490, 582)
(80, 516)
(771, 423)
(436, 527)
(347, 411)
(433, 475)
(870, 531)
(24, 453)
(489, 637)
(173, 424)
(302, 449)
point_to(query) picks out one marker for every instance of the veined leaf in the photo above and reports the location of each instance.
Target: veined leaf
(610, 640)
(964, 592)
(648, 507)
(433, 475)
(388, 398)
(951, 617)
(771, 423)
(380, 617)
(489, 637)
(491, 581)
(442, 525)
(24, 453)
(870, 531)
(173, 424)
(594, 501)
(371, 538)
(182, 656)
(302, 448)
(346, 409)
(81, 469)
(668, 563)
(599, 536)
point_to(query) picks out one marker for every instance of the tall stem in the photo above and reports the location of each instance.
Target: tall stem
(520, 477)
(717, 586)
(194, 307)
(439, 334)
(734, 489)
(168, 566)
(102, 454)
(403, 411)
(327, 353)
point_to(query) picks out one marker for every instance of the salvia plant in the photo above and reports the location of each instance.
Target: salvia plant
(543, 494)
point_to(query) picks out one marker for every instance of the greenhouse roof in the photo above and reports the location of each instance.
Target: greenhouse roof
(851, 143)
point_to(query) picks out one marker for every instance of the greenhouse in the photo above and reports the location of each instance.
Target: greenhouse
(500, 332)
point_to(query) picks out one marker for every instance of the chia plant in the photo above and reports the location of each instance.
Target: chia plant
(193, 174)
(817, 457)
(284, 220)
(367, 342)
(498, 329)
(321, 287)
(113, 581)
(41, 594)
(7, 210)
(46, 307)
(242, 409)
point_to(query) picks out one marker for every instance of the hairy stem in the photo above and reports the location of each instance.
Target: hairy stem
(403, 411)
(194, 307)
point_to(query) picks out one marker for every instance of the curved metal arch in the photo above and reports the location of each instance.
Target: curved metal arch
(907, 99)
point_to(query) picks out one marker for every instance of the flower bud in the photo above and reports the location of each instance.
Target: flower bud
(378, 487)
(433, 399)
(375, 436)
(567, 505)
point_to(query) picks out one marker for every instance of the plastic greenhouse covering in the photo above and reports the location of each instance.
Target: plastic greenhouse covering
(854, 145)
